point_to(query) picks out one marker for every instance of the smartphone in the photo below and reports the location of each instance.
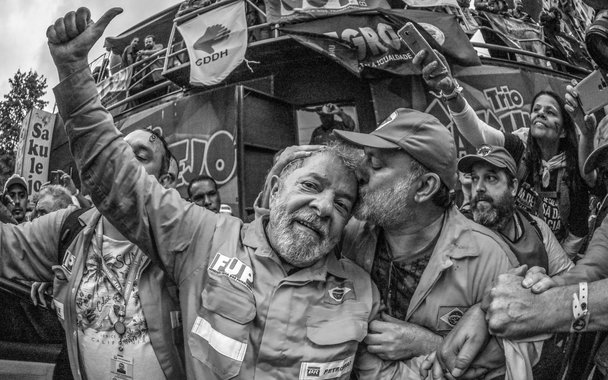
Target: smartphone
(592, 92)
(55, 178)
(415, 42)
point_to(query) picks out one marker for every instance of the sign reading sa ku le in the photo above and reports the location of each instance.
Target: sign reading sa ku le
(33, 149)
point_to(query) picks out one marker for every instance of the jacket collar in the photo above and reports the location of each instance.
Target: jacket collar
(255, 237)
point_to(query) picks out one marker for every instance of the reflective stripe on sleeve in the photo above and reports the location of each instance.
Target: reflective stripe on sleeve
(221, 343)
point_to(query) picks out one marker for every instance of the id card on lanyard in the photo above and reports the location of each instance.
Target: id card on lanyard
(121, 367)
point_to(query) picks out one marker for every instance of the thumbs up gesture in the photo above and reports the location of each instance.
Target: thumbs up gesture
(71, 37)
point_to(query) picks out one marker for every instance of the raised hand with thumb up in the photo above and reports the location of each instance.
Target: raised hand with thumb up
(71, 37)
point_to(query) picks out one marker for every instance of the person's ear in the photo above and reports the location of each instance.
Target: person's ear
(275, 186)
(515, 187)
(429, 185)
(165, 180)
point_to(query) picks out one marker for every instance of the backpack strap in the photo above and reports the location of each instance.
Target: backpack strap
(70, 228)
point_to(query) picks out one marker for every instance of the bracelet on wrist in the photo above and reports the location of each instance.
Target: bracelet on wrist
(580, 310)
(449, 96)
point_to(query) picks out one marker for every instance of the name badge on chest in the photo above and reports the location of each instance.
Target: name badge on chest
(121, 368)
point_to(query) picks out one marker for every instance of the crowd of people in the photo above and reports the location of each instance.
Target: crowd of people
(358, 264)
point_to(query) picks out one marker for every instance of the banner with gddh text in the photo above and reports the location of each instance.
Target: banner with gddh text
(33, 149)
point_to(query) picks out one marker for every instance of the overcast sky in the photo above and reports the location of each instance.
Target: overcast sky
(23, 26)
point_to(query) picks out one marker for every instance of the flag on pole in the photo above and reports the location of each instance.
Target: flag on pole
(216, 42)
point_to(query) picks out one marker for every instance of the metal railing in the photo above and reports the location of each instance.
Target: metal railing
(175, 57)
(507, 49)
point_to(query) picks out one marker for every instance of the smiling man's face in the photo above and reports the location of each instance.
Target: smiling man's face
(309, 209)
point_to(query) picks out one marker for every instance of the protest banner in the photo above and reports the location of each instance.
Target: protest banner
(33, 149)
(366, 41)
(216, 41)
(115, 87)
(287, 11)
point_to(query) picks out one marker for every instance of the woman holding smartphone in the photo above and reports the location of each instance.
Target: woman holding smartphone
(548, 153)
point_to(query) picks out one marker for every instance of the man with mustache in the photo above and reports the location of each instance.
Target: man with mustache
(268, 300)
(494, 187)
(430, 263)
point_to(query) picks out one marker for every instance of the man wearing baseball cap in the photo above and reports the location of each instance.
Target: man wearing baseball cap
(494, 188)
(15, 197)
(430, 263)
(519, 307)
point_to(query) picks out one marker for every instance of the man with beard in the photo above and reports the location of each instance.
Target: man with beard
(431, 264)
(152, 74)
(267, 300)
(494, 188)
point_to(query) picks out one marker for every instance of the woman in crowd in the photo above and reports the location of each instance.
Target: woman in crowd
(548, 153)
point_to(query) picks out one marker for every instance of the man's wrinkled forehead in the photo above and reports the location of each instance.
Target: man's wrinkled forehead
(329, 169)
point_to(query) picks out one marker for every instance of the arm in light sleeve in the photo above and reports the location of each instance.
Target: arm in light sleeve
(28, 251)
(594, 265)
(475, 130)
(558, 259)
(159, 221)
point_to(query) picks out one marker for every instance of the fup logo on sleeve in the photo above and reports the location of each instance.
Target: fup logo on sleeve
(233, 268)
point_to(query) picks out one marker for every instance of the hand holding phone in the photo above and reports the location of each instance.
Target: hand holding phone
(432, 65)
(592, 92)
(55, 178)
(416, 43)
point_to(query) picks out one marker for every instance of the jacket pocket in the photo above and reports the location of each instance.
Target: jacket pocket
(333, 334)
(219, 336)
(334, 345)
(339, 331)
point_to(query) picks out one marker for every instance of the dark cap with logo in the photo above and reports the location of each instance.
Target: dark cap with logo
(15, 179)
(496, 156)
(419, 134)
(597, 158)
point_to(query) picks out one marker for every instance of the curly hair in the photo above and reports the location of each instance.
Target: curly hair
(567, 144)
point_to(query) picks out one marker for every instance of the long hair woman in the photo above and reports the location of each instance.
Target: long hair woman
(548, 154)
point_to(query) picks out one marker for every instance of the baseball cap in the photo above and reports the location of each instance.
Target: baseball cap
(419, 134)
(597, 158)
(15, 179)
(496, 156)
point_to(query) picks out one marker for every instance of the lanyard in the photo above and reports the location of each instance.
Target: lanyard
(97, 247)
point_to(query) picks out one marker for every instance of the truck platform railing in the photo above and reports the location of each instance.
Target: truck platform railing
(167, 71)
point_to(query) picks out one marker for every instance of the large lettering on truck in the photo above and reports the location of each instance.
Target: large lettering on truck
(201, 133)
